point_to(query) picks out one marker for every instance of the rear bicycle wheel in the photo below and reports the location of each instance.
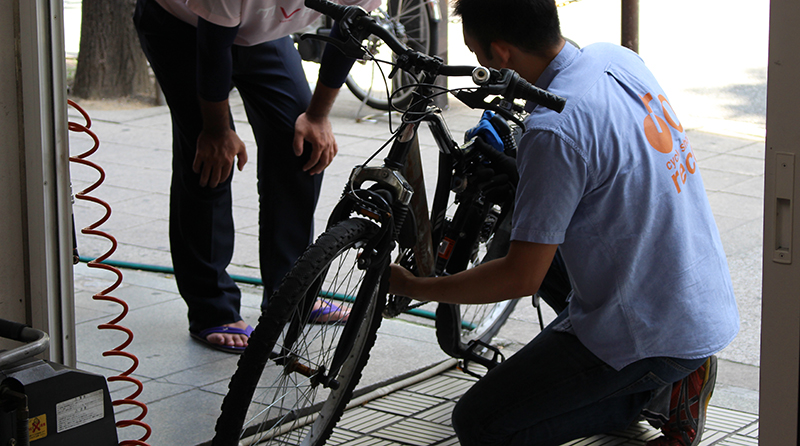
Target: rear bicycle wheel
(458, 325)
(295, 378)
(412, 23)
(483, 322)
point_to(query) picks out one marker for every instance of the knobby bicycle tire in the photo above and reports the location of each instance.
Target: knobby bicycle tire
(413, 24)
(273, 398)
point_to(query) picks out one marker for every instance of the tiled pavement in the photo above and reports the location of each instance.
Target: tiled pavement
(419, 415)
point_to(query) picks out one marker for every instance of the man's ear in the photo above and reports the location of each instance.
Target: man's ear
(501, 53)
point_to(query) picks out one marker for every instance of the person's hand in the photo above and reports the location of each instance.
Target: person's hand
(215, 156)
(399, 280)
(317, 131)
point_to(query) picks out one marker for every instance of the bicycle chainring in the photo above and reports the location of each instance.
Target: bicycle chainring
(396, 305)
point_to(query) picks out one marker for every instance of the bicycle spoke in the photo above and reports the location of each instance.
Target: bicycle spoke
(299, 384)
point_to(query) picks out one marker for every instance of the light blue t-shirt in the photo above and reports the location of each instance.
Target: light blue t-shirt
(613, 180)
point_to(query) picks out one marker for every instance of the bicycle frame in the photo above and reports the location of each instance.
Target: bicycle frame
(392, 196)
(401, 175)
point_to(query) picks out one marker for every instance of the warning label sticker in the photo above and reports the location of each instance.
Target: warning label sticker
(37, 427)
(79, 411)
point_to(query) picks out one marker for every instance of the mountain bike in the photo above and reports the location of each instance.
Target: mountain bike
(295, 378)
(413, 22)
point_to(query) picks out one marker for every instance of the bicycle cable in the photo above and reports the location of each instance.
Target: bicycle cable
(385, 78)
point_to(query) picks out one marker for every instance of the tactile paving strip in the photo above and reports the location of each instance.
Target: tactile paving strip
(419, 415)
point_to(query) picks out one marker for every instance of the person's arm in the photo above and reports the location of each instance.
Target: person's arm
(313, 125)
(518, 274)
(217, 145)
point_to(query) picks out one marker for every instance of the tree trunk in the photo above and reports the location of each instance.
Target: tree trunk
(110, 61)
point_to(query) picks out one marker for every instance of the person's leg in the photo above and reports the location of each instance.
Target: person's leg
(275, 92)
(201, 224)
(683, 420)
(555, 390)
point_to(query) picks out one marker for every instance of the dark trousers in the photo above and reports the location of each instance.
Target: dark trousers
(555, 390)
(273, 87)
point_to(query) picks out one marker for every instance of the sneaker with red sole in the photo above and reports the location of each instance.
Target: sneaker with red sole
(688, 407)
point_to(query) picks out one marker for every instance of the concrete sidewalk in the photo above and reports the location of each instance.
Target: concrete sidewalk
(185, 382)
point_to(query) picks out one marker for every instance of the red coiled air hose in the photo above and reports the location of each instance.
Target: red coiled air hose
(103, 295)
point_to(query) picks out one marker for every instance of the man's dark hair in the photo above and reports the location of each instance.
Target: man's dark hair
(531, 25)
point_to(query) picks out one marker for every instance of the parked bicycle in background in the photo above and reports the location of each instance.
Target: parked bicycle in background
(412, 22)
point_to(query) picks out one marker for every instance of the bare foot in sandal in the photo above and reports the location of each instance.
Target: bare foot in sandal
(230, 338)
(325, 312)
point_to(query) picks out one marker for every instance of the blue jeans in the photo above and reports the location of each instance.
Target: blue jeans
(555, 390)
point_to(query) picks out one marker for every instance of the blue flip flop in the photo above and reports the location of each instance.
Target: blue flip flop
(201, 337)
(319, 316)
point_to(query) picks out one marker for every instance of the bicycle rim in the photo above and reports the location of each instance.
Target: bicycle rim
(413, 25)
(286, 401)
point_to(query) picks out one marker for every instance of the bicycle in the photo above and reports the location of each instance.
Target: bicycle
(317, 366)
(413, 22)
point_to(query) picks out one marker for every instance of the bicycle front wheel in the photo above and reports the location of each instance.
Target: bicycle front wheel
(412, 23)
(295, 378)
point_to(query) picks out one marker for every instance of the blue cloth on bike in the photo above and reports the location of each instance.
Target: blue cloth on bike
(486, 130)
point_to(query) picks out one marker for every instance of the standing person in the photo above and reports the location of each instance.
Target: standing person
(199, 50)
(613, 186)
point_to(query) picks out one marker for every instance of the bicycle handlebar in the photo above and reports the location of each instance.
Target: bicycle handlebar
(330, 9)
(356, 24)
(524, 90)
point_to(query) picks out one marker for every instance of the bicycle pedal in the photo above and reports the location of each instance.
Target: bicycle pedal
(476, 352)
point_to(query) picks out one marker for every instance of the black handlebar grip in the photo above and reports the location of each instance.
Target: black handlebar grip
(11, 329)
(328, 8)
(526, 91)
(456, 70)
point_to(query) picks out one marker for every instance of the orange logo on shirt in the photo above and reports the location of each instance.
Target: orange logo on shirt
(659, 136)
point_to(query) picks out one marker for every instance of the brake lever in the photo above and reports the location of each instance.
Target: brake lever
(505, 108)
(475, 100)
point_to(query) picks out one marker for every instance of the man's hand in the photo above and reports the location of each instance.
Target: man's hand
(400, 280)
(519, 273)
(318, 132)
(215, 155)
(217, 145)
